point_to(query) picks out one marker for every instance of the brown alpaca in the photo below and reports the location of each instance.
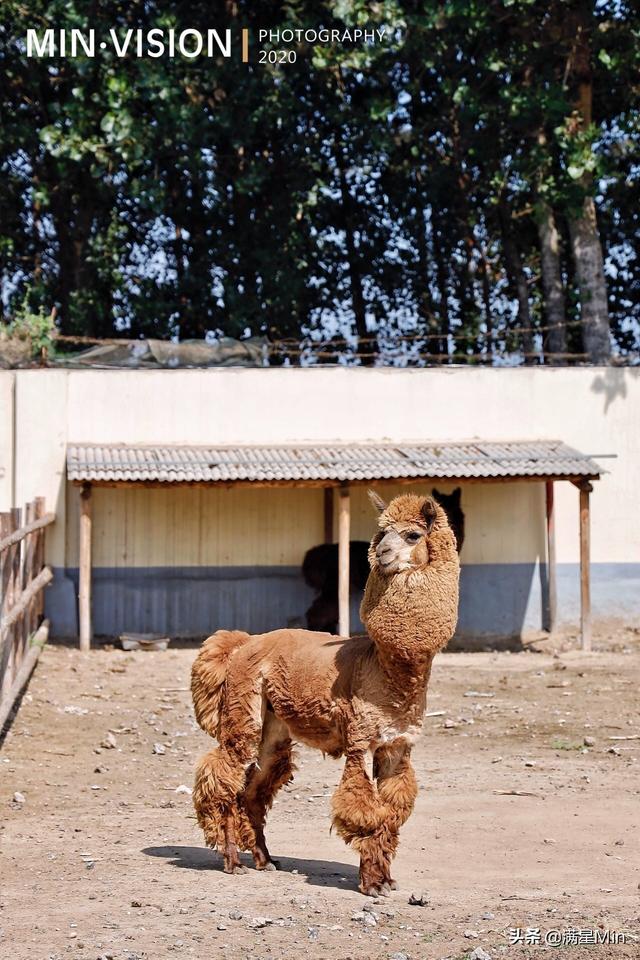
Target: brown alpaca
(259, 694)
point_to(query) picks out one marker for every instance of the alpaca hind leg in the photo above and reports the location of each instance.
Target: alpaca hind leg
(273, 769)
(219, 779)
(397, 789)
(221, 776)
(359, 817)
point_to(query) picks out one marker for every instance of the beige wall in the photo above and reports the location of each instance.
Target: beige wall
(596, 410)
(7, 383)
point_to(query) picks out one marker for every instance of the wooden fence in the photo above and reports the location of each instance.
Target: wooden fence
(23, 574)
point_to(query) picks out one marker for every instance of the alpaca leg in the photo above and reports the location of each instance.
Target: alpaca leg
(397, 789)
(219, 780)
(221, 775)
(359, 817)
(273, 769)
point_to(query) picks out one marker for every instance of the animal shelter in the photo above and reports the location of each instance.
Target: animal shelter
(179, 510)
(256, 599)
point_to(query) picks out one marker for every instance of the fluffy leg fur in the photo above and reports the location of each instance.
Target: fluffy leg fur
(273, 769)
(360, 818)
(370, 817)
(397, 789)
(219, 780)
(222, 774)
(208, 675)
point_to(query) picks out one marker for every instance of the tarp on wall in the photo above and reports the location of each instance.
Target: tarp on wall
(226, 352)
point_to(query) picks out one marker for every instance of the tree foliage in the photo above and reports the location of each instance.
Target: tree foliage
(442, 195)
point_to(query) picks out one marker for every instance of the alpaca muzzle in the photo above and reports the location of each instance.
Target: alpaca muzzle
(393, 553)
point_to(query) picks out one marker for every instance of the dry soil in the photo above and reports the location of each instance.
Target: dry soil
(527, 818)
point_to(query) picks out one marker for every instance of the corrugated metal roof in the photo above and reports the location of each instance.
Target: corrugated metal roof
(337, 462)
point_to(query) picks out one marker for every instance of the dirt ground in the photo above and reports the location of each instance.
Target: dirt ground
(527, 818)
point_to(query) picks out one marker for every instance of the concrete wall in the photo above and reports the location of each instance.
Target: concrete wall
(168, 542)
(7, 384)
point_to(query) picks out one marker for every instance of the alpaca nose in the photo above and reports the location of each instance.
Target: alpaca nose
(384, 551)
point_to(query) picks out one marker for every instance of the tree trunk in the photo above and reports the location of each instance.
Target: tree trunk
(555, 339)
(486, 301)
(517, 280)
(583, 229)
(355, 273)
(72, 222)
(442, 281)
(427, 319)
(594, 310)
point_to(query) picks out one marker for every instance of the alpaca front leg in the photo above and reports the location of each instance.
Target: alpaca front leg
(359, 817)
(397, 789)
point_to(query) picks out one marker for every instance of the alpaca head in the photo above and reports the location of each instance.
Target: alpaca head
(409, 525)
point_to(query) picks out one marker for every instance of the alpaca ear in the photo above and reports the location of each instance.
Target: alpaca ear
(429, 512)
(377, 501)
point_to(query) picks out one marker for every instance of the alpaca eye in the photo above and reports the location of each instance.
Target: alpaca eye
(413, 537)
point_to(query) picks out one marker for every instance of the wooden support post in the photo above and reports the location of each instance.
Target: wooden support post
(344, 536)
(84, 573)
(28, 573)
(552, 594)
(328, 514)
(585, 583)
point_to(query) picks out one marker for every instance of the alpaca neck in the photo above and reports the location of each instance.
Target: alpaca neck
(410, 616)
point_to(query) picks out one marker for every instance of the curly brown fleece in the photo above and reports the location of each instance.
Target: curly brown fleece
(344, 696)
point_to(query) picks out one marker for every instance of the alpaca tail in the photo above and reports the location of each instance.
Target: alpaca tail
(208, 676)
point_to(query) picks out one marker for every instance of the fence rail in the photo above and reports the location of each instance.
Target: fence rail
(23, 575)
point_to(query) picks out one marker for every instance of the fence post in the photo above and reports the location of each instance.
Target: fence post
(23, 576)
(5, 599)
(39, 554)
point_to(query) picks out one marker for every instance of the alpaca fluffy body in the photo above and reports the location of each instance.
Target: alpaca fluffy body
(259, 694)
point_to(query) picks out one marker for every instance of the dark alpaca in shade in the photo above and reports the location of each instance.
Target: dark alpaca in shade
(452, 506)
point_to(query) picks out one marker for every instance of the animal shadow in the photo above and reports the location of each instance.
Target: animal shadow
(318, 873)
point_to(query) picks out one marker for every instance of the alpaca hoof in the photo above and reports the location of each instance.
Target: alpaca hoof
(238, 870)
(392, 884)
(269, 865)
(376, 890)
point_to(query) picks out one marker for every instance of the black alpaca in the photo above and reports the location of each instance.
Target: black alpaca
(320, 566)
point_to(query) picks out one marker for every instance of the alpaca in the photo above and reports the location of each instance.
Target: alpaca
(320, 566)
(345, 697)
(320, 571)
(450, 503)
